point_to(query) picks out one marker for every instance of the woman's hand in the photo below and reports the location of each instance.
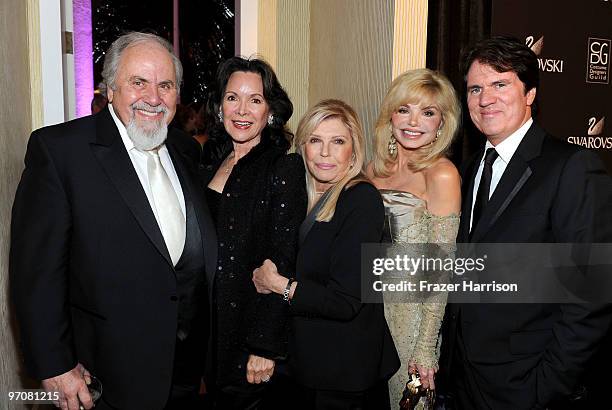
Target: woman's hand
(426, 373)
(259, 369)
(267, 279)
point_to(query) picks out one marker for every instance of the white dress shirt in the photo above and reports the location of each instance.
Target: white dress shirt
(139, 161)
(506, 150)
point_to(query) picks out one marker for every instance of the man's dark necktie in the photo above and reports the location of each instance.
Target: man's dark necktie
(482, 196)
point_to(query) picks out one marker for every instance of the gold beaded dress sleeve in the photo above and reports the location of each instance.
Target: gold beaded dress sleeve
(415, 326)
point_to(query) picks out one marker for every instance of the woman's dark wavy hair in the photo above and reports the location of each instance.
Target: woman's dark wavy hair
(505, 53)
(276, 97)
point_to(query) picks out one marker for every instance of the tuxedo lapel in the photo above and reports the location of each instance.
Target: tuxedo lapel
(515, 176)
(182, 160)
(515, 189)
(114, 159)
(467, 186)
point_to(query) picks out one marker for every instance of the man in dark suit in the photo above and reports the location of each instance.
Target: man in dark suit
(112, 245)
(523, 187)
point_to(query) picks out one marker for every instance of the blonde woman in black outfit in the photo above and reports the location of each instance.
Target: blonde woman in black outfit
(257, 195)
(340, 351)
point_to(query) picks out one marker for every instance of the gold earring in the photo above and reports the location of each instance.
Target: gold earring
(392, 147)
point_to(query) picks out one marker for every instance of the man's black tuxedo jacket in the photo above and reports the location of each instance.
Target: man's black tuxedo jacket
(91, 277)
(525, 355)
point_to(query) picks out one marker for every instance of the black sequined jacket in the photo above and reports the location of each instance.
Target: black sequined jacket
(258, 215)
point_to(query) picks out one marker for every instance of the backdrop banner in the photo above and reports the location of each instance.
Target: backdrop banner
(573, 42)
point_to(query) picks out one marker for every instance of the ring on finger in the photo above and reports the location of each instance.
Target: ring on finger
(265, 379)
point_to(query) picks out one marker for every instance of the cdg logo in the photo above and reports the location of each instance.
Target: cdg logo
(598, 54)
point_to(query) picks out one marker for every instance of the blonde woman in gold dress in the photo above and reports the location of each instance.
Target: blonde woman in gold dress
(421, 191)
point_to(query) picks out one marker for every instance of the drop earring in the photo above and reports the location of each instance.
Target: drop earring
(270, 119)
(220, 115)
(392, 147)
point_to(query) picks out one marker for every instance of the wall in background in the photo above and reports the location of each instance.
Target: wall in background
(351, 54)
(15, 125)
(347, 49)
(294, 47)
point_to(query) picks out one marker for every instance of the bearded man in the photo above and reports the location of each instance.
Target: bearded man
(112, 245)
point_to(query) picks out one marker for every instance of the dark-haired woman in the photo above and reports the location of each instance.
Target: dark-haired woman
(258, 195)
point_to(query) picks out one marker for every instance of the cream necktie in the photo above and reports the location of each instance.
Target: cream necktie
(170, 217)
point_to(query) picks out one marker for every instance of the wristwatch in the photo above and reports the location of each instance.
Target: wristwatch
(288, 290)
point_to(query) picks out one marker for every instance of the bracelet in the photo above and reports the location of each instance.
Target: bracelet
(288, 290)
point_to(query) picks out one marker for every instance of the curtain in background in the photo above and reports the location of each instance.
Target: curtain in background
(453, 25)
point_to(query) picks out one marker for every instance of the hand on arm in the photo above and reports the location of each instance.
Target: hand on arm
(267, 280)
(72, 387)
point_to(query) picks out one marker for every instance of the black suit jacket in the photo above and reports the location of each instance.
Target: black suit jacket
(522, 356)
(337, 342)
(91, 277)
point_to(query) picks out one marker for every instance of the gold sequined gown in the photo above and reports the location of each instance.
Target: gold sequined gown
(415, 326)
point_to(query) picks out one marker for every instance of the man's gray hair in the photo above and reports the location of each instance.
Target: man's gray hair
(113, 56)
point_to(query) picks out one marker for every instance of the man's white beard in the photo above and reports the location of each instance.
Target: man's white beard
(147, 139)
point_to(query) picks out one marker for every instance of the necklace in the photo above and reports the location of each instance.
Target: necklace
(229, 165)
